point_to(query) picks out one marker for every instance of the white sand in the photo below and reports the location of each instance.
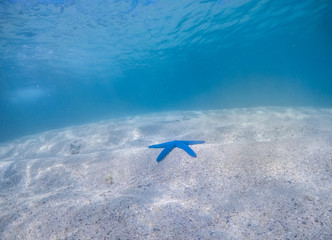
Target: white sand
(263, 173)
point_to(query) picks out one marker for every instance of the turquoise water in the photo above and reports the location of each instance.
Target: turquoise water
(67, 62)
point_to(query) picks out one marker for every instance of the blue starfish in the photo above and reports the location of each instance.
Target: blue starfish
(168, 147)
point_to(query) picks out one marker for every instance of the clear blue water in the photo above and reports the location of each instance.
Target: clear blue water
(67, 62)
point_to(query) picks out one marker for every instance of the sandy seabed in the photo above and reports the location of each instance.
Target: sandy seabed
(263, 173)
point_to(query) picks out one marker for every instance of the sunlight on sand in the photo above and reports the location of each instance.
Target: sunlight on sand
(262, 171)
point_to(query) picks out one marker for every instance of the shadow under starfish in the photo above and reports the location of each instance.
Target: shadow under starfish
(168, 147)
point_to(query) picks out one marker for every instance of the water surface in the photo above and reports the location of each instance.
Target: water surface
(66, 62)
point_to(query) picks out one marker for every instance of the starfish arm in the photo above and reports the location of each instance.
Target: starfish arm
(193, 142)
(164, 152)
(186, 148)
(161, 145)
